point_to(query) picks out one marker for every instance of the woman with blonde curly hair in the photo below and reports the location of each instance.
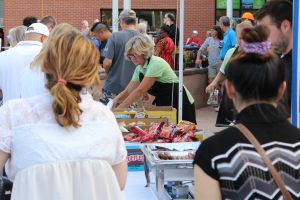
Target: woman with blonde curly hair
(153, 75)
(64, 123)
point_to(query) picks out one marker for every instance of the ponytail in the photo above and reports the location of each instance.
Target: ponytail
(70, 63)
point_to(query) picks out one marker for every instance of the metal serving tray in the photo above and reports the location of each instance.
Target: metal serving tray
(176, 149)
(168, 170)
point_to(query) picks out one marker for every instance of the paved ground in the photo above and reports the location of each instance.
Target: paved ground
(206, 118)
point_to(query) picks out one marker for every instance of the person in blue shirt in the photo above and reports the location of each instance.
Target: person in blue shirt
(229, 40)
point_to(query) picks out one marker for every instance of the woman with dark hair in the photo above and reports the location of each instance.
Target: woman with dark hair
(170, 20)
(165, 46)
(227, 165)
(213, 44)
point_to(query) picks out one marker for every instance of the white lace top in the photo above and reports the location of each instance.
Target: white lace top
(29, 132)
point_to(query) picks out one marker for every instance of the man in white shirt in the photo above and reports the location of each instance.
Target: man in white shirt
(16, 59)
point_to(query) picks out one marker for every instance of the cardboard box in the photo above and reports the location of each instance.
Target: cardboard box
(135, 157)
(142, 123)
(154, 112)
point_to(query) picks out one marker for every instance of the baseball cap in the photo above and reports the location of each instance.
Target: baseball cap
(127, 13)
(38, 28)
(248, 15)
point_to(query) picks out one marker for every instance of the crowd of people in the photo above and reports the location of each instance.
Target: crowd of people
(55, 81)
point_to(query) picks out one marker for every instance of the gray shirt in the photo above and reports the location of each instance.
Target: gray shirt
(121, 70)
(214, 50)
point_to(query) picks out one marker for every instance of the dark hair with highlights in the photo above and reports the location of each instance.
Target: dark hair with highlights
(254, 76)
(219, 32)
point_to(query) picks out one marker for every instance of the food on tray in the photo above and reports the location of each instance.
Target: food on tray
(140, 123)
(174, 156)
(186, 125)
(132, 124)
(123, 129)
(159, 133)
(138, 130)
(122, 124)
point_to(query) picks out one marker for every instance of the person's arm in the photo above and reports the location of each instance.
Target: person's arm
(144, 86)
(201, 49)
(187, 41)
(5, 134)
(199, 42)
(198, 56)
(109, 53)
(3, 158)
(233, 39)
(205, 186)
(121, 173)
(107, 64)
(125, 93)
(216, 82)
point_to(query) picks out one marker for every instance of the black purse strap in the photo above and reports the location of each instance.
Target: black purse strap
(5, 188)
(247, 133)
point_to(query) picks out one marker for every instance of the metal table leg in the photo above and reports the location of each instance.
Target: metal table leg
(160, 182)
(147, 171)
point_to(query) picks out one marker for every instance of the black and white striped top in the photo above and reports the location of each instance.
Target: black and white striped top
(229, 158)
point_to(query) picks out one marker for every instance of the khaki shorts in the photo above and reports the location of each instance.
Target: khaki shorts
(213, 70)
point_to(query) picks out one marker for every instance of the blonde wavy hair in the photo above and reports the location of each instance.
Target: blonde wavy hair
(69, 56)
(139, 45)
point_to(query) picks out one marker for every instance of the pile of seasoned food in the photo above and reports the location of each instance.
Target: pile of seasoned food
(184, 131)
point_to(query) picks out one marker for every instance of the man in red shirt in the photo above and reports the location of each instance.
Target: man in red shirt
(194, 40)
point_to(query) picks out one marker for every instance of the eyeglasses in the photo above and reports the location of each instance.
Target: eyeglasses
(130, 56)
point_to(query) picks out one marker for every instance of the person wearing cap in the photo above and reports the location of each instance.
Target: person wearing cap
(194, 40)
(119, 70)
(248, 16)
(16, 59)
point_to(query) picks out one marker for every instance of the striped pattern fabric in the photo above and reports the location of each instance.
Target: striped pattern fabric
(229, 158)
(241, 170)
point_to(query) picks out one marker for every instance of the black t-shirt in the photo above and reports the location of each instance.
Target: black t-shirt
(284, 105)
(229, 158)
(288, 73)
(174, 31)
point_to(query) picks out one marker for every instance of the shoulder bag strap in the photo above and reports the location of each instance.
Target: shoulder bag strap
(246, 132)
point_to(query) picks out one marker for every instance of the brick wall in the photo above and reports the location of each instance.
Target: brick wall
(199, 15)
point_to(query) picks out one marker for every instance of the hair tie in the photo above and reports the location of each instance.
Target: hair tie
(62, 81)
(260, 48)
